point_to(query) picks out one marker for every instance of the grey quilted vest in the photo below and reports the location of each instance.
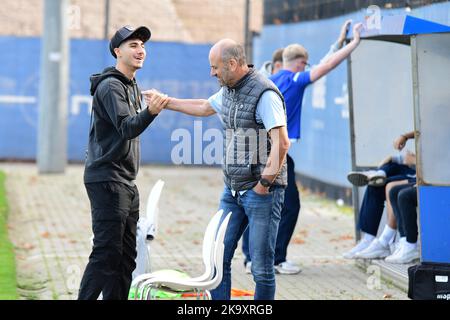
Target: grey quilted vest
(246, 142)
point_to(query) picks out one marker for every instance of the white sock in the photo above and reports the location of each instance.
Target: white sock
(402, 240)
(401, 244)
(368, 237)
(387, 236)
(381, 173)
(410, 246)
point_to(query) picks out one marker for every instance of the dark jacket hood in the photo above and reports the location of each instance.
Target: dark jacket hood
(108, 72)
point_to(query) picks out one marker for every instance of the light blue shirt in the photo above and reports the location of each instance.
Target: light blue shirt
(269, 112)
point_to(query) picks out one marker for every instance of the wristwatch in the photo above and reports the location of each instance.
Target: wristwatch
(265, 183)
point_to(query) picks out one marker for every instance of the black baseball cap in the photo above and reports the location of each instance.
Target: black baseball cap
(127, 32)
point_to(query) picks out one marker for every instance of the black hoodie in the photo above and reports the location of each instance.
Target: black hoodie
(117, 121)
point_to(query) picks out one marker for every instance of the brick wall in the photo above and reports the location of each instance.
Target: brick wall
(192, 21)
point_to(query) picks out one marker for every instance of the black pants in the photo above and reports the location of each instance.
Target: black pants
(407, 201)
(115, 212)
(404, 202)
(289, 214)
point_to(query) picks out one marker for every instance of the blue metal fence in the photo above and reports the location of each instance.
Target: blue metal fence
(177, 69)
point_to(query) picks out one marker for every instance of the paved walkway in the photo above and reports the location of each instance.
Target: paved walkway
(50, 227)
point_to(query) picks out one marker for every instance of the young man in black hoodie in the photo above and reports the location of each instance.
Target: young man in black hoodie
(112, 164)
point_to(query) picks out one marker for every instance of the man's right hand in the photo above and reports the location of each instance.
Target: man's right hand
(261, 190)
(155, 101)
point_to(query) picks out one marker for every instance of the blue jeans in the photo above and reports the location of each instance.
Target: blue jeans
(289, 216)
(262, 215)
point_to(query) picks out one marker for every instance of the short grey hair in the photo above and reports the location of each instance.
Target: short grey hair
(236, 52)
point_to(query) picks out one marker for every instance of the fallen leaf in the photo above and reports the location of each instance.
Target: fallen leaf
(174, 231)
(184, 221)
(27, 246)
(33, 180)
(303, 233)
(342, 238)
(45, 234)
(298, 240)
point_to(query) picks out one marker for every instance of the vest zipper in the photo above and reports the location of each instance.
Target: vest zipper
(232, 137)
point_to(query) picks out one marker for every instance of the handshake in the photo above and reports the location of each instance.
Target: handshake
(155, 101)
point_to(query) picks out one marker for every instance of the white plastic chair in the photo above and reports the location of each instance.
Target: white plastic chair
(204, 283)
(151, 223)
(207, 254)
(147, 230)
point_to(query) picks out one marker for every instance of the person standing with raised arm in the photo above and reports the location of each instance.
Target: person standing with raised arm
(292, 80)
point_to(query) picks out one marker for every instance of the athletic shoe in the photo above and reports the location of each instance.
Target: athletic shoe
(396, 247)
(374, 251)
(376, 178)
(363, 244)
(405, 255)
(287, 267)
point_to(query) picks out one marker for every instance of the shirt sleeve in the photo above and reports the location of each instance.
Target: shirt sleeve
(302, 79)
(118, 110)
(216, 101)
(270, 110)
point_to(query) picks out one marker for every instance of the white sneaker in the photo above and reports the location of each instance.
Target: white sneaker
(376, 178)
(394, 246)
(405, 255)
(248, 267)
(393, 256)
(363, 244)
(374, 251)
(287, 267)
(395, 249)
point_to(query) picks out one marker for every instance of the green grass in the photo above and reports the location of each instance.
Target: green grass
(8, 282)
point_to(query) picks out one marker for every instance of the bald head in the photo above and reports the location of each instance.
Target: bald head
(228, 49)
(227, 60)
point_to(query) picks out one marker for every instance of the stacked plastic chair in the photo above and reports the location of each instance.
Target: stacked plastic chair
(145, 286)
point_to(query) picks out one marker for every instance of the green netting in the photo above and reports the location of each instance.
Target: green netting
(161, 294)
